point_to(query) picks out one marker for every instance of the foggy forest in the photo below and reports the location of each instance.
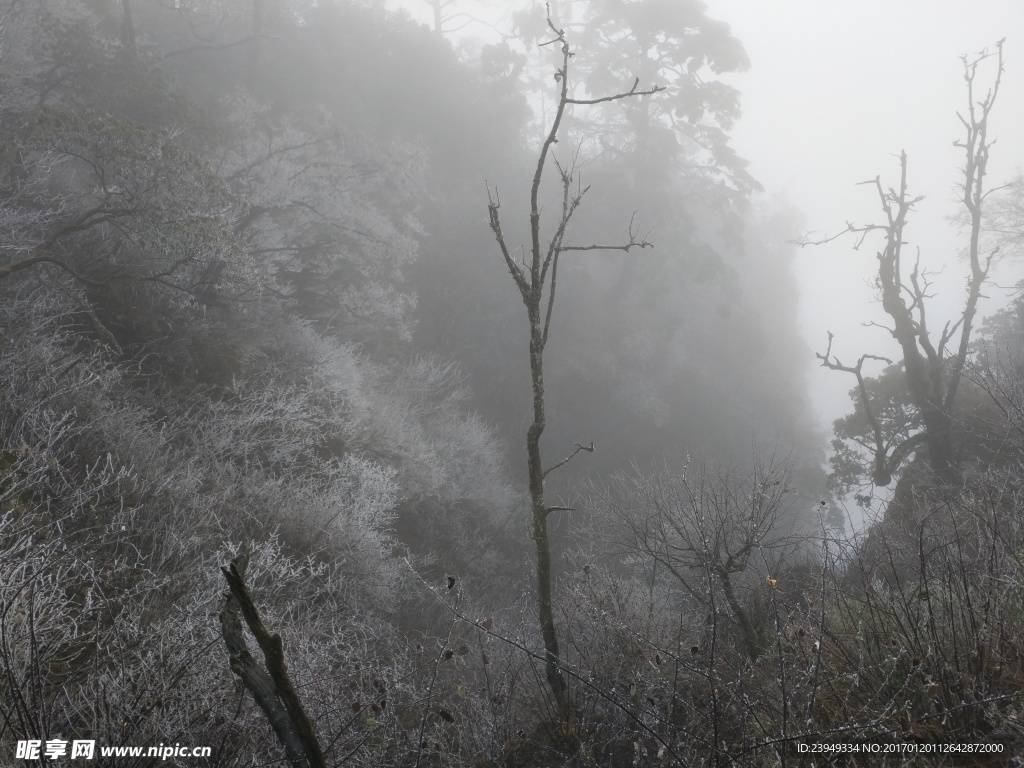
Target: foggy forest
(480, 382)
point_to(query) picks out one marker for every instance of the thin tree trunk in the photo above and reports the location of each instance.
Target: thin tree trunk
(438, 18)
(751, 638)
(540, 516)
(531, 279)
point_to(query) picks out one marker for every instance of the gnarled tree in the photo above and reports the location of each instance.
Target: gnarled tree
(932, 367)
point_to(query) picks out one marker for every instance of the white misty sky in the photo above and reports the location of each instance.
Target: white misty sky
(836, 89)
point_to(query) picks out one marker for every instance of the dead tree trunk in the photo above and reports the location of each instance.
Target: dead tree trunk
(270, 685)
(932, 371)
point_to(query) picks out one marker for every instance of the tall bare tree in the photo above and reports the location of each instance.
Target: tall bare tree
(536, 280)
(932, 367)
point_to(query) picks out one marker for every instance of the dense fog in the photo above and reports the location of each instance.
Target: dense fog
(484, 382)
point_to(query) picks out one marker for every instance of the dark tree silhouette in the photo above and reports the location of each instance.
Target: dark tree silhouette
(932, 367)
(536, 281)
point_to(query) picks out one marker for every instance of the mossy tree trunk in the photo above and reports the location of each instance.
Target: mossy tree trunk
(536, 279)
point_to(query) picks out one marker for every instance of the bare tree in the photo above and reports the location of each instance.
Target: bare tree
(932, 367)
(536, 281)
(704, 528)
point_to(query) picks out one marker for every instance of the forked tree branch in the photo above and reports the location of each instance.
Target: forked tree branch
(879, 449)
(271, 684)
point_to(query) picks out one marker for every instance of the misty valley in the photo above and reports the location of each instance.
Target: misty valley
(426, 383)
